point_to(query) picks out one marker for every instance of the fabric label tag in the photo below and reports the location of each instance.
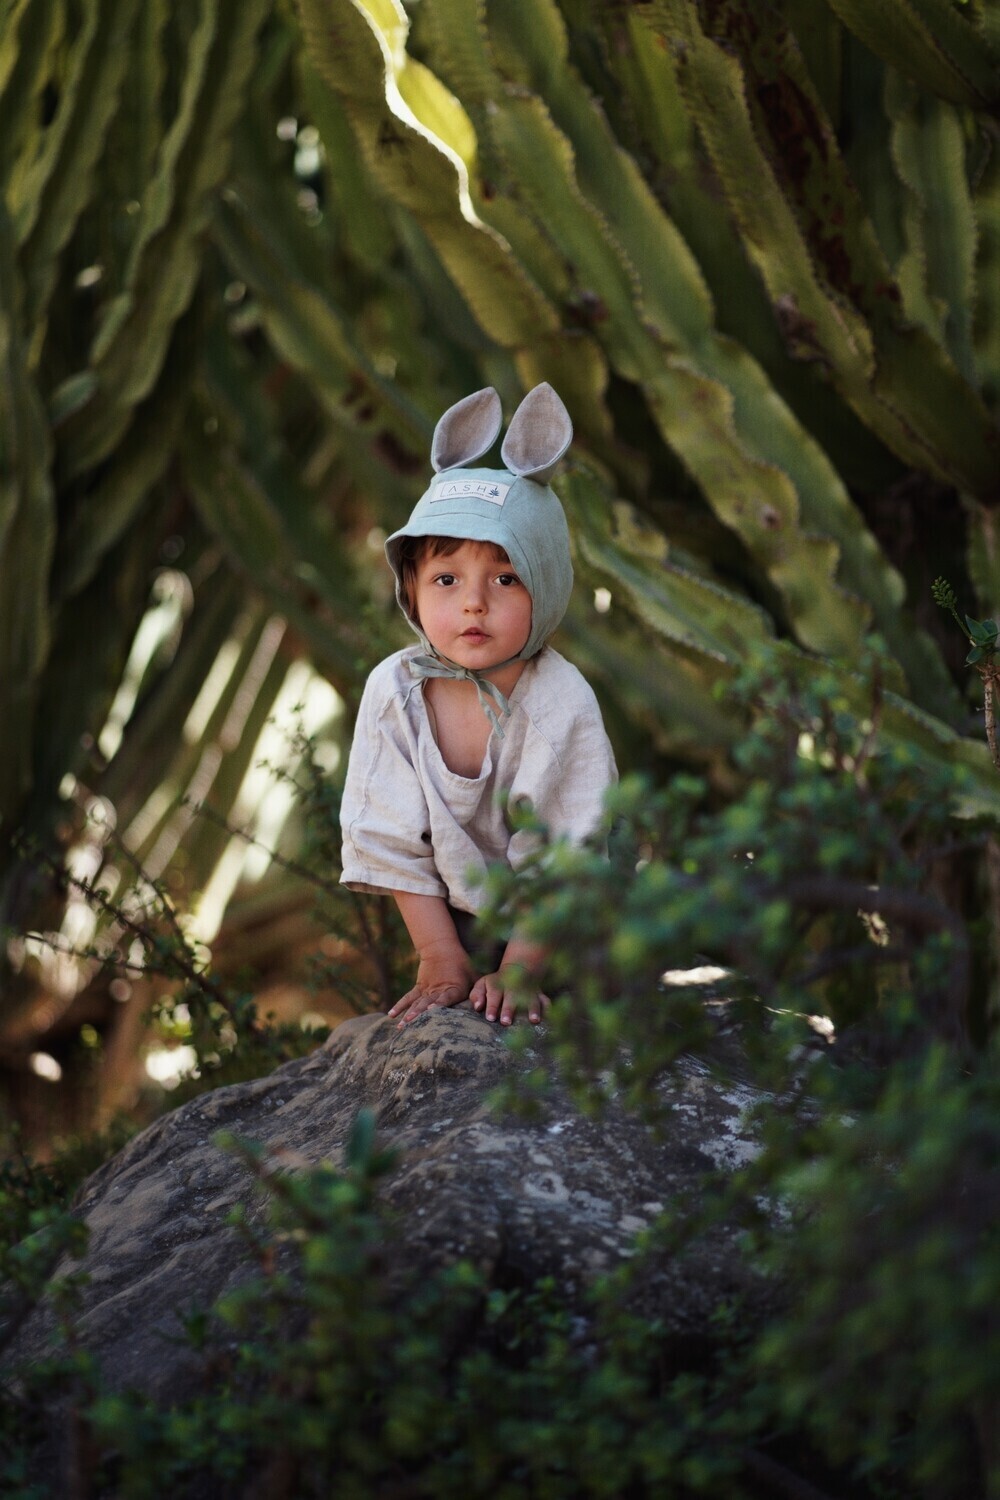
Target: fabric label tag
(474, 489)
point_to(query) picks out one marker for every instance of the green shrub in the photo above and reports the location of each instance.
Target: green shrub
(849, 990)
(332, 1372)
(816, 891)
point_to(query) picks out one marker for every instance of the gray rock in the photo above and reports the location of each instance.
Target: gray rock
(561, 1195)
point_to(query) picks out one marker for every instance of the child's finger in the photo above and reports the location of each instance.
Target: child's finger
(539, 1006)
(494, 998)
(417, 1009)
(423, 1000)
(416, 1002)
(403, 1003)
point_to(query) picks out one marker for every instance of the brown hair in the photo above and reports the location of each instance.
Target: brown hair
(413, 550)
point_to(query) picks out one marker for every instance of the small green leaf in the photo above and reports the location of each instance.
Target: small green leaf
(983, 632)
(71, 395)
(976, 654)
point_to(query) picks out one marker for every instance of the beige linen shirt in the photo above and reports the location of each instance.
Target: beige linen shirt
(411, 824)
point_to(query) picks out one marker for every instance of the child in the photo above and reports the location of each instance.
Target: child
(483, 575)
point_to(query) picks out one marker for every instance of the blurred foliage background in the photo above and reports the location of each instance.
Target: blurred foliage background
(250, 250)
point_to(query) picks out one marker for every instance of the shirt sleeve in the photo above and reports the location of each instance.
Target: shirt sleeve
(383, 816)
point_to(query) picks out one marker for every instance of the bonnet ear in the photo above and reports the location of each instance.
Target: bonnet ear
(538, 436)
(467, 430)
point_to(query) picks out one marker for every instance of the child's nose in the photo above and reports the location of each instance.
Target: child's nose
(475, 600)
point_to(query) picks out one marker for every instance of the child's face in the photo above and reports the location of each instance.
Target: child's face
(471, 607)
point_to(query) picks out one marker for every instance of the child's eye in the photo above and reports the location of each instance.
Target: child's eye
(507, 579)
(445, 578)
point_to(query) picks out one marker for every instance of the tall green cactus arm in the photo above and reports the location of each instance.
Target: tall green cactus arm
(701, 634)
(540, 183)
(169, 811)
(636, 89)
(144, 91)
(359, 54)
(462, 51)
(935, 43)
(148, 746)
(680, 606)
(712, 403)
(137, 133)
(90, 645)
(27, 537)
(165, 259)
(250, 519)
(29, 32)
(635, 82)
(364, 62)
(254, 702)
(822, 274)
(359, 217)
(937, 274)
(986, 322)
(95, 520)
(318, 560)
(665, 691)
(48, 200)
(673, 299)
(309, 331)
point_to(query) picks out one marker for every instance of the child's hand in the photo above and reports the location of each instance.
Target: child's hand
(499, 998)
(441, 980)
(498, 995)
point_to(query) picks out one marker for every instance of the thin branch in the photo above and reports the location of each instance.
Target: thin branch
(945, 851)
(820, 892)
(373, 948)
(871, 738)
(175, 963)
(105, 959)
(869, 954)
(328, 887)
(795, 941)
(991, 685)
(909, 907)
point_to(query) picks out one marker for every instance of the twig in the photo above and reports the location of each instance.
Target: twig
(328, 887)
(373, 947)
(871, 738)
(912, 909)
(103, 959)
(991, 686)
(376, 946)
(945, 851)
(175, 964)
(865, 953)
(166, 906)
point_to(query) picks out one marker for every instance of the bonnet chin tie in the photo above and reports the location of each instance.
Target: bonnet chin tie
(439, 666)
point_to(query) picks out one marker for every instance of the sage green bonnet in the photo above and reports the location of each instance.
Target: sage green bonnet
(514, 507)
